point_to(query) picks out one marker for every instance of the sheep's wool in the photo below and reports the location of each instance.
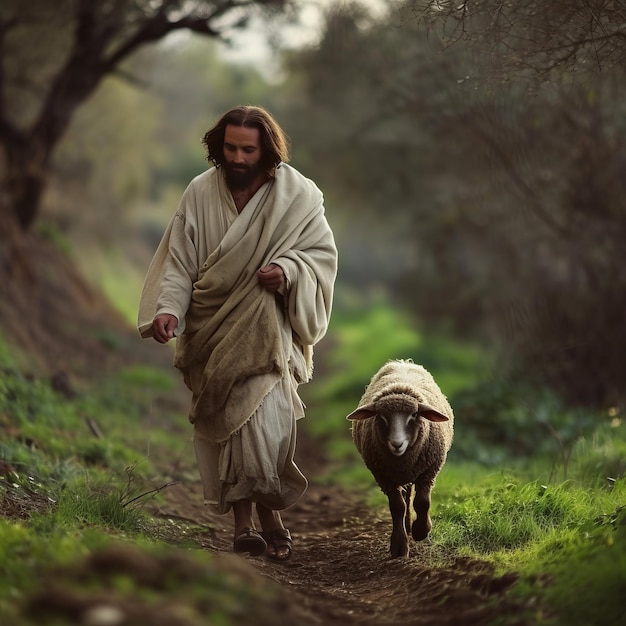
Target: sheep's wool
(397, 403)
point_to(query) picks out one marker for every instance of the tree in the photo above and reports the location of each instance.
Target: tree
(531, 37)
(54, 55)
(509, 203)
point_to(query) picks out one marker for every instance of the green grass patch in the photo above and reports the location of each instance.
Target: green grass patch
(365, 333)
(529, 485)
(593, 563)
(509, 514)
(76, 476)
(120, 281)
(534, 487)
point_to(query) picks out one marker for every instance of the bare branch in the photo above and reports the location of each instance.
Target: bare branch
(580, 35)
(96, 38)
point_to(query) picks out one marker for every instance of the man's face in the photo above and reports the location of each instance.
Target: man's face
(242, 155)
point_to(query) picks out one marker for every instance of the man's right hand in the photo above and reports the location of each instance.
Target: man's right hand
(163, 327)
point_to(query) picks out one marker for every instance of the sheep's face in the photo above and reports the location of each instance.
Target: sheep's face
(399, 420)
(398, 431)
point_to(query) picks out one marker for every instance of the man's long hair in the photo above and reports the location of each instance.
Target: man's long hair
(274, 142)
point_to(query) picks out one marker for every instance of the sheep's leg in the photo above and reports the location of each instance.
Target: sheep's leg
(421, 503)
(399, 538)
(408, 494)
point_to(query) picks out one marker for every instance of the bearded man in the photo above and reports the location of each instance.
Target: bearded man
(244, 278)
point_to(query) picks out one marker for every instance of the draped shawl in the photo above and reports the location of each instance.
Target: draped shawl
(234, 328)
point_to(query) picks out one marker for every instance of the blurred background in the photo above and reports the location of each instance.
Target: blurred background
(471, 156)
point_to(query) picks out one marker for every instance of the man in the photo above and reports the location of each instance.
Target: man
(244, 278)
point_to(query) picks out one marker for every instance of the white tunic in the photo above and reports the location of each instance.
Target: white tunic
(256, 462)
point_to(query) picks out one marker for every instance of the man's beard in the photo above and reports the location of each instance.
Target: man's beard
(241, 176)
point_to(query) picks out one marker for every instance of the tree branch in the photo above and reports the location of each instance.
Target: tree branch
(160, 25)
(533, 29)
(104, 34)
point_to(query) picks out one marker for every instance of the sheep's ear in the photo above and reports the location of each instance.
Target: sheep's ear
(428, 412)
(362, 413)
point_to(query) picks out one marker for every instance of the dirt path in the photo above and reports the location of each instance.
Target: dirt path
(341, 573)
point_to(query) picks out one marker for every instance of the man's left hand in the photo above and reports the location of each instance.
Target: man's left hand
(271, 277)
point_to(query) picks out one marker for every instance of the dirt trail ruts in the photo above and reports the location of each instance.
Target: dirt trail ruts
(341, 572)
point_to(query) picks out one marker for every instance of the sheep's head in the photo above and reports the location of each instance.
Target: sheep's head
(398, 419)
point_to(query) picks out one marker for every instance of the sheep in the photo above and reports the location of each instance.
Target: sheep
(403, 452)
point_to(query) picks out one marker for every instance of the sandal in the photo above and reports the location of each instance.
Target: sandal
(279, 539)
(249, 540)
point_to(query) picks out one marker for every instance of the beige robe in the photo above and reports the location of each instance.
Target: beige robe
(242, 349)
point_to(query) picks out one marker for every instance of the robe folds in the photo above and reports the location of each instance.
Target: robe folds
(236, 341)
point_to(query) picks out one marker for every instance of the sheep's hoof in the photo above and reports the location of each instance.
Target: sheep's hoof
(399, 554)
(419, 530)
(399, 549)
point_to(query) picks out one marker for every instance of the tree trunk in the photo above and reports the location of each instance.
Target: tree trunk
(14, 262)
(24, 182)
(27, 154)
(102, 39)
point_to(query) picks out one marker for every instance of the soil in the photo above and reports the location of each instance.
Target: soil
(340, 572)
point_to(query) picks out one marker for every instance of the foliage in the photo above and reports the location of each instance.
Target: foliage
(530, 485)
(567, 535)
(53, 60)
(492, 213)
(594, 566)
(504, 514)
(530, 37)
(132, 578)
(53, 441)
(601, 456)
(73, 507)
(104, 161)
(53, 460)
(23, 551)
(50, 434)
(515, 419)
(365, 324)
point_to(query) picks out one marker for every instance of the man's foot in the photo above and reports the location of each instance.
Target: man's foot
(250, 541)
(279, 544)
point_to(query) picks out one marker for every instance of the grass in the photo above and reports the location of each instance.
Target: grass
(124, 295)
(571, 534)
(73, 517)
(67, 490)
(557, 518)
